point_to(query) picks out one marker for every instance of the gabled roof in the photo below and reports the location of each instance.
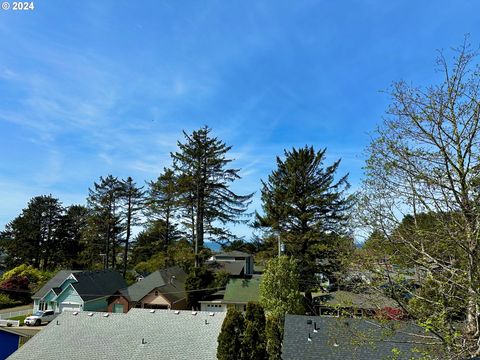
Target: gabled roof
(360, 301)
(96, 284)
(360, 339)
(54, 282)
(234, 253)
(171, 288)
(242, 290)
(234, 268)
(165, 335)
(89, 285)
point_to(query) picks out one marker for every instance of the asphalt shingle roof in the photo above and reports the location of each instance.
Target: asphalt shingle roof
(160, 279)
(235, 253)
(54, 282)
(166, 335)
(360, 301)
(99, 283)
(90, 284)
(359, 339)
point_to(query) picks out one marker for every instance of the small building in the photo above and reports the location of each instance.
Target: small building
(238, 293)
(11, 338)
(323, 337)
(78, 290)
(138, 334)
(162, 289)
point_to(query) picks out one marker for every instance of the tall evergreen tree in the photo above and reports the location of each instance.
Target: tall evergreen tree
(133, 200)
(72, 226)
(204, 180)
(253, 343)
(306, 207)
(274, 335)
(162, 203)
(32, 237)
(229, 339)
(104, 202)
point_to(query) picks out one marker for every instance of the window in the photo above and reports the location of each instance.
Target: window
(156, 292)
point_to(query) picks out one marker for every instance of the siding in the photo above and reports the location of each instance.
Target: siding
(69, 296)
(96, 305)
(118, 299)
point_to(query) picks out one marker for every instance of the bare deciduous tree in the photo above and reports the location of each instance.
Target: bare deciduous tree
(425, 159)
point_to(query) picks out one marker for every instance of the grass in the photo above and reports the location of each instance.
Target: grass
(19, 318)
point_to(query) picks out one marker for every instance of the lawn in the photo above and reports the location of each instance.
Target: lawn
(20, 318)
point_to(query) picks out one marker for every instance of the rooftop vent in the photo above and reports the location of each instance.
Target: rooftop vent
(206, 322)
(143, 341)
(194, 313)
(309, 322)
(105, 315)
(309, 337)
(90, 314)
(335, 343)
(152, 311)
(75, 313)
(177, 312)
(212, 314)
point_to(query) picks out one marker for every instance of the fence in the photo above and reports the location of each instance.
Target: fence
(9, 315)
(9, 323)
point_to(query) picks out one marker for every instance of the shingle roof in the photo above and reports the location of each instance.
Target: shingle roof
(119, 336)
(99, 283)
(234, 253)
(360, 339)
(243, 290)
(54, 282)
(360, 301)
(90, 284)
(160, 279)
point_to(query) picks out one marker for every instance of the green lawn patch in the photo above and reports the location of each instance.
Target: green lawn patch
(20, 318)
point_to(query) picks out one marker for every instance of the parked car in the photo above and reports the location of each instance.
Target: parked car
(40, 317)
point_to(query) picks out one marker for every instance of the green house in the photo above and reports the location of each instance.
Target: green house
(71, 290)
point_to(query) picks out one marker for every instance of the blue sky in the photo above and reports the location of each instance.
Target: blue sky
(89, 88)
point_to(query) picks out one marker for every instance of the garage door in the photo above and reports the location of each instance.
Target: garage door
(69, 307)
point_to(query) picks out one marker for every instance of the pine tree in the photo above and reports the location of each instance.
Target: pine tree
(274, 335)
(32, 237)
(304, 204)
(196, 283)
(72, 226)
(204, 180)
(162, 203)
(253, 343)
(229, 340)
(133, 200)
(104, 226)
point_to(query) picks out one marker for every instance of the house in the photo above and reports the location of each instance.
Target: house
(322, 337)
(238, 293)
(78, 290)
(347, 303)
(138, 334)
(236, 263)
(11, 338)
(162, 289)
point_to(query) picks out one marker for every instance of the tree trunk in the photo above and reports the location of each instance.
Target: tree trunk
(127, 239)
